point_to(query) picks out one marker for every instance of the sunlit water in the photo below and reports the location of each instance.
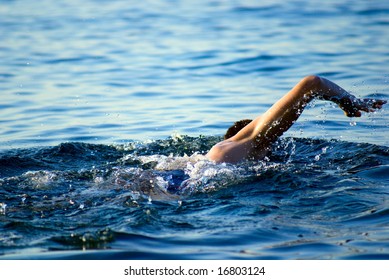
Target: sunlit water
(107, 109)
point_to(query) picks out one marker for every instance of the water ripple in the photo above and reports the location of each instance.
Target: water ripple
(90, 97)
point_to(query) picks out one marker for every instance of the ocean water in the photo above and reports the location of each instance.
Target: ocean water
(107, 108)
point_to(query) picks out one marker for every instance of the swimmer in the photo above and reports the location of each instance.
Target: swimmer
(252, 139)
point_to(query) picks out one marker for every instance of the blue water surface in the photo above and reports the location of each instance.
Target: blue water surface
(108, 105)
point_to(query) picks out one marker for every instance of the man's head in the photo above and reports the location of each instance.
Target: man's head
(236, 127)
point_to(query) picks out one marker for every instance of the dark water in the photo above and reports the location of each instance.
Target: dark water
(96, 98)
(314, 199)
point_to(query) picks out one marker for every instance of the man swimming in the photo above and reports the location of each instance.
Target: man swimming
(252, 139)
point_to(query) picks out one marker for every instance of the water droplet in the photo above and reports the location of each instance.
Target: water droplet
(2, 208)
(353, 123)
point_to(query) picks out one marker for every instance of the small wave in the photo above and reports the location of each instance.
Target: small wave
(83, 189)
(157, 162)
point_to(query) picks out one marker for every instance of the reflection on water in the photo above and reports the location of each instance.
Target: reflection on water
(91, 92)
(74, 72)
